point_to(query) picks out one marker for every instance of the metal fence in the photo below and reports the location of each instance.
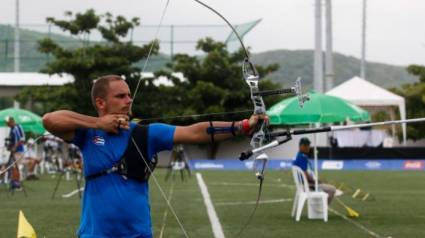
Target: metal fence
(173, 39)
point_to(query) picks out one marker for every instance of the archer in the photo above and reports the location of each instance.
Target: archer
(119, 156)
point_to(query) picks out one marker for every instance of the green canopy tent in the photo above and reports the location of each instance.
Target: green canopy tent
(319, 109)
(29, 121)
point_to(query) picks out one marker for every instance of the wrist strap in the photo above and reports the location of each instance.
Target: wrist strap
(233, 128)
(245, 126)
(212, 133)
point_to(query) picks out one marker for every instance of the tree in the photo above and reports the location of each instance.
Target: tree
(414, 95)
(92, 59)
(213, 83)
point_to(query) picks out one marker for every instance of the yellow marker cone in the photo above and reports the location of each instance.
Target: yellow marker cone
(25, 229)
(350, 212)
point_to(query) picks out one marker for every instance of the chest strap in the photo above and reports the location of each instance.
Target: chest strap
(104, 172)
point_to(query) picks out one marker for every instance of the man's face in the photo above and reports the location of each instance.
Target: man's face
(10, 123)
(305, 148)
(118, 99)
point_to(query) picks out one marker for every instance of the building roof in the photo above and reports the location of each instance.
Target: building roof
(34, 79)
(38, 79)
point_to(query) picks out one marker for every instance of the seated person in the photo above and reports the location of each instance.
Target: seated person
(52, 153)
(302, 161)
(31, 160)
(74, 159)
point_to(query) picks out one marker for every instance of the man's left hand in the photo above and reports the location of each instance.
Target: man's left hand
(254, 119)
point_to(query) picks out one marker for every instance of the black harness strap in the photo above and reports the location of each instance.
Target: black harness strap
(104, 172)
(132, 164)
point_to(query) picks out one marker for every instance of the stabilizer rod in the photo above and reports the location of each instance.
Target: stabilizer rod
(288, 134)
(274, 92)
(296, 89)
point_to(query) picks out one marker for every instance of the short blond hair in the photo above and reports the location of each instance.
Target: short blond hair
(101, 86)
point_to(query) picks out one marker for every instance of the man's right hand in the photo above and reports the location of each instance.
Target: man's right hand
(111, 123)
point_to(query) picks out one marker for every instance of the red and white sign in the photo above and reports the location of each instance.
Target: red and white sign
(414, 165)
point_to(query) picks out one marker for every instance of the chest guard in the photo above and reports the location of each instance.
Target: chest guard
(134, 163)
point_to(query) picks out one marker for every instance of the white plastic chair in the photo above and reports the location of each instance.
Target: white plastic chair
(303, 193)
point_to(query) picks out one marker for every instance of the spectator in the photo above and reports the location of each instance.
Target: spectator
(31, 160)
(16, 148)
(302, 161)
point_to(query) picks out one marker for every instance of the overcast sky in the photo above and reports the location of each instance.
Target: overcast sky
(395, 28)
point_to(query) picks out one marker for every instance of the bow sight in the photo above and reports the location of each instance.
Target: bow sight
(296, 89)
(258, 137)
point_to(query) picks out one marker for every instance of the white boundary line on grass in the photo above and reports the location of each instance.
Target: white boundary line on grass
(72, 193)
(253, 202)
(358, 224)
(281, 185)
(212, 215)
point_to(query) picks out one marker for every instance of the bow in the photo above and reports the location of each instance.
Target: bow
(260, 135)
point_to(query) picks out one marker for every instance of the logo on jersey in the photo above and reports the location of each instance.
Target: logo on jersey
(98, 140)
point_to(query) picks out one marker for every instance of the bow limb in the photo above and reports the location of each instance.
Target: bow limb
(252, 78)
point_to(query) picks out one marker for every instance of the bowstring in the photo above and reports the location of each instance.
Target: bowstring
(160, 189)
(151, 47)
(132, 139)
(257, 203)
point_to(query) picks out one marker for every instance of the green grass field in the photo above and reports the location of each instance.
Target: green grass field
(398, 209)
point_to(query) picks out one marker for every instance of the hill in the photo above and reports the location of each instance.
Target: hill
(31, 59)
(299, 63)
(293, 63)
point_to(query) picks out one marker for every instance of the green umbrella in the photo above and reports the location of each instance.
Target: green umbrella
(29, 121)
(320, 108)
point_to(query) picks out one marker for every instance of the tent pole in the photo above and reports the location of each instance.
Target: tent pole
(316, 169)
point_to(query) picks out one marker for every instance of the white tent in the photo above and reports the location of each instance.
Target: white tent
(364, 93)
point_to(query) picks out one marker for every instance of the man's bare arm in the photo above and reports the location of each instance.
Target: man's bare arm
(197, 133)
(64, 123)
(16, 145)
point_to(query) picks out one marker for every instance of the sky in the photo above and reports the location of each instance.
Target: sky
(395, 28)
